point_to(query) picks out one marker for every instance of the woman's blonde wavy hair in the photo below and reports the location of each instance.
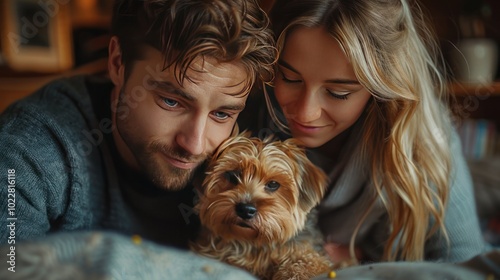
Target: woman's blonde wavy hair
(406, 133)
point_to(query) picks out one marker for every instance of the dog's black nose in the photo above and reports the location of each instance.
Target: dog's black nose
(245, 211)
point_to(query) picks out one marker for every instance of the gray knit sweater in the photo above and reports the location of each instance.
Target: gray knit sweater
(64, 175)
(351, 192)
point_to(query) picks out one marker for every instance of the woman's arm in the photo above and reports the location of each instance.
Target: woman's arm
(461, 220)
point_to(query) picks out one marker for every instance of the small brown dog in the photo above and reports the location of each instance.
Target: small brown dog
(255, 200)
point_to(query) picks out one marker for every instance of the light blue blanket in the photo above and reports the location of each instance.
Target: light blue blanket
(106, 255)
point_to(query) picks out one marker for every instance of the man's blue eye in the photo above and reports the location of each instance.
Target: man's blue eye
(170, 102)
(221, 115)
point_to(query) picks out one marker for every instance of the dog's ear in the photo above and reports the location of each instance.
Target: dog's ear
(242, 137)
(312, 181)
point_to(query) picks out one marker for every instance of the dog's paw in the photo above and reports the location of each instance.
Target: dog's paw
(302, 267)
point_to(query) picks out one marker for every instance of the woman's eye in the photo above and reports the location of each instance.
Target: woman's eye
(288, 80)
(272, 186)
(170, 102)
(342, 96)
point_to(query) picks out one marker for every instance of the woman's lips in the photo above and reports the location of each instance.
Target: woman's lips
(307, 129)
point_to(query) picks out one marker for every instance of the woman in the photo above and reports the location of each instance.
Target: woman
(358, 82)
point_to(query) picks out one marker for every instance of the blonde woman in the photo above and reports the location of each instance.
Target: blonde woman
(359, 82)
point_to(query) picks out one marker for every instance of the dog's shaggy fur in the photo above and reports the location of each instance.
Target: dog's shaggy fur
(255, 200)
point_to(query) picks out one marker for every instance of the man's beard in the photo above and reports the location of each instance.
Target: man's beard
(149, 157)
(162, 174)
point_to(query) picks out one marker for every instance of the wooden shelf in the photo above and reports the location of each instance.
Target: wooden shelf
(13, 88)
(462, 89)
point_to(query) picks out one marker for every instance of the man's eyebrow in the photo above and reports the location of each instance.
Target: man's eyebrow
(168, 86)
(233, 107)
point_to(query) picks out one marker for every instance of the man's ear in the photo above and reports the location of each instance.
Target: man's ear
(115, 65)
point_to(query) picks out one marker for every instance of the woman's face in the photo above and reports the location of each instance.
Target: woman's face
(316, 87)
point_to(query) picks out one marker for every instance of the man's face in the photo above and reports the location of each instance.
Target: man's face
(166, 130)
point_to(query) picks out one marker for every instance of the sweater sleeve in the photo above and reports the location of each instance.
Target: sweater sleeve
(39, 188)
(461, 221)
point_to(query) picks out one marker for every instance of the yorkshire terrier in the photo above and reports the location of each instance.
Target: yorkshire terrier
(255, 199)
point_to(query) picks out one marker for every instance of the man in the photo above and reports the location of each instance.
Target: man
(88, 154)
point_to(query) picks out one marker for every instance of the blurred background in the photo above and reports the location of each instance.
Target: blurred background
(45, 39)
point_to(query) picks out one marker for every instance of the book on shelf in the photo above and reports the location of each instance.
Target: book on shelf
(478, 137)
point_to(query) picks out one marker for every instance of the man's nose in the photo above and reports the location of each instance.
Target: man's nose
(192, 137)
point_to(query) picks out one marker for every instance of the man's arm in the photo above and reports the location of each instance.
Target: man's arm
(461, 220)
(35, 177)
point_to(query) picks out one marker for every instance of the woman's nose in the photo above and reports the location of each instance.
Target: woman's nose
(307, 107)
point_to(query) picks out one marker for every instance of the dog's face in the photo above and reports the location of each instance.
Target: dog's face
(259, 191)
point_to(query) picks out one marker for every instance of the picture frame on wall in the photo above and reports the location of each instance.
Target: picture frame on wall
(36, 35)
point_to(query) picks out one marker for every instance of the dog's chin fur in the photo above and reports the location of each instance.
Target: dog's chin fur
(282, 186)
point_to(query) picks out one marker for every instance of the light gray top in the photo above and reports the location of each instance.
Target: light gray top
(352, 190)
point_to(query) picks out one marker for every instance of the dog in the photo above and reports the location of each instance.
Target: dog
(254, 201)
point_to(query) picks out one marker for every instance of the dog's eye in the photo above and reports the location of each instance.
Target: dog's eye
(272, 186)
(232, 176)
